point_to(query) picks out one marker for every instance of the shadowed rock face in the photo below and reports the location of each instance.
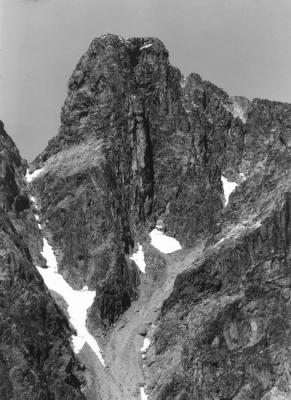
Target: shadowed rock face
(36, 360)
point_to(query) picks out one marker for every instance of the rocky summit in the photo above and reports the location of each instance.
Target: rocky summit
(145, 155)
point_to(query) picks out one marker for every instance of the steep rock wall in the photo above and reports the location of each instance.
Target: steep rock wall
(224, 332)
(133, 147)
(138, 143)
(36, 360)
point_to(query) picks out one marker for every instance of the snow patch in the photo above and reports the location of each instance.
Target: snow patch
(146, 345)
(78, 301)
(30, 177)
(238, 112)
(228, 188)
(138, 258)
(166, 244)
(146, 46)
(49, 255)
(243, 176)
(143, 395)
(220, 241)
(78, 304)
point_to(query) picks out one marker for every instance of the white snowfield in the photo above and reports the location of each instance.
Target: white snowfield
(143, 395)
(138, 258)
(48, 254)
(146, 46)
(228, 188)
(145, 347)
(78, 304)
(166, 244)
(30, 177)
(78, 301)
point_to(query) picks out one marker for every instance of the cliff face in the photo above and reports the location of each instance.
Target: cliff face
(133, 146)
(138, 144)
(36, 360)
(224, 332)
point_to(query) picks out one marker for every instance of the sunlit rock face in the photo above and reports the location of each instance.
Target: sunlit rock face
(138, 144)
(222, 317)
(36, 359)
(133, 146)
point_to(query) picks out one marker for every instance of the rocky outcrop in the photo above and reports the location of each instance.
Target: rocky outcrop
(36, 360)
(14, 196)
(224, 332)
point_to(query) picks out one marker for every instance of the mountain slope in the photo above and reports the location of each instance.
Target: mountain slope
(139, 145)
(36, 360)
(133, 147)
(228, 315)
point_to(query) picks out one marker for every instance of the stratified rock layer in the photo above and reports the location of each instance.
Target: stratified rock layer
(36, 360)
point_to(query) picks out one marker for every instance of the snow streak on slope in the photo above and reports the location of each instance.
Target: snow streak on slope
(48, 254)
(145, 347)
(138, 258)
(164, 243)
(143, 396)
(147, 46)
(78, 301)
(30, 177)
(228, 188)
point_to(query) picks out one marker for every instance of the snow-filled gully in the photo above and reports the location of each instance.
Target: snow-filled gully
(165, 244)
(78, 301)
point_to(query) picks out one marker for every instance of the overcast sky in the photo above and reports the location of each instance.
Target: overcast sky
(243, 46)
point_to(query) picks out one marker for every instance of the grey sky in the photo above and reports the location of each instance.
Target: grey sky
(243, 46)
